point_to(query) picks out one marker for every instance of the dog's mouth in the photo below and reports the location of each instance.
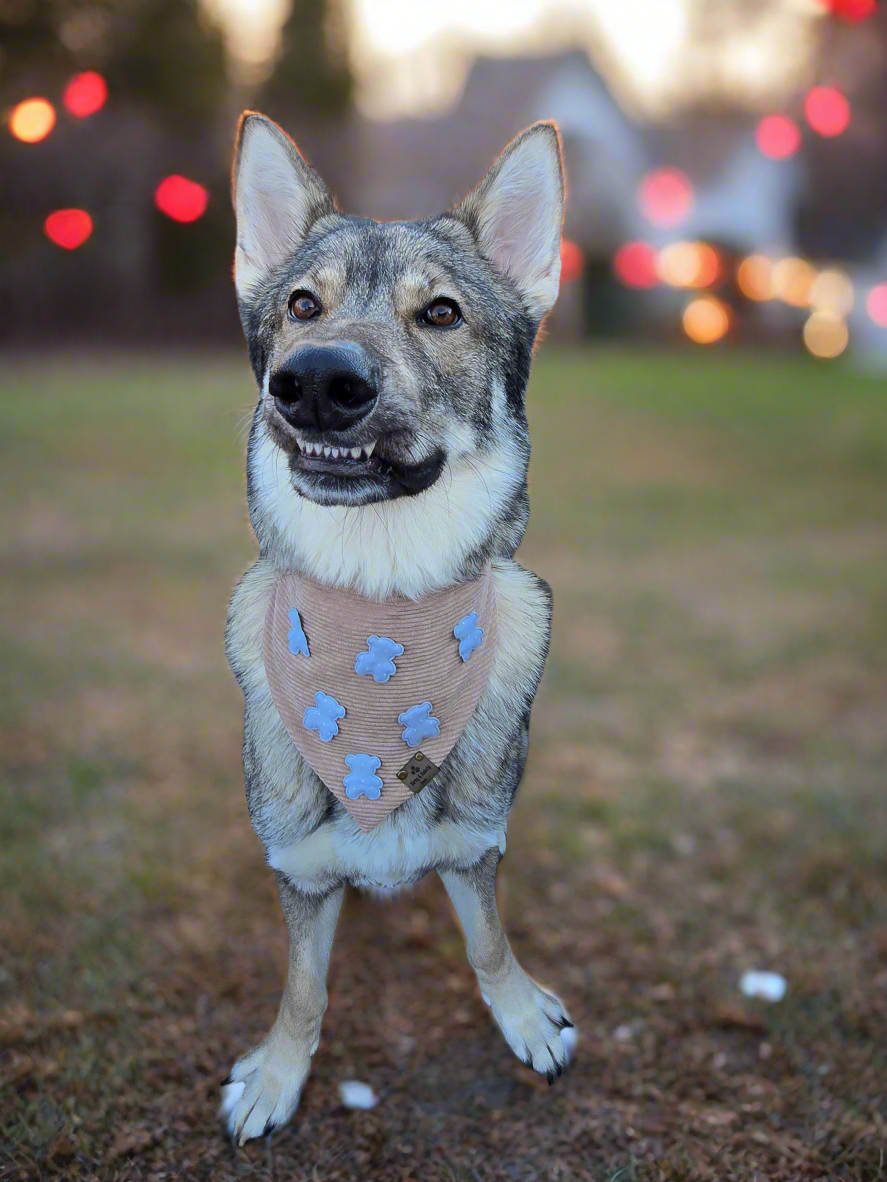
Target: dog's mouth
(335, 460)
(362, 473)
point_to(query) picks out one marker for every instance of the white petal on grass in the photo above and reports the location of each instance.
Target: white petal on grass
(355, 1094)
(767, 986)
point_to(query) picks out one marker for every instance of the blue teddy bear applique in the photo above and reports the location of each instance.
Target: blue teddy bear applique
(362, 780)
(418, 723)
(469, 635)
(296, 638)
(321, 717)
(378, 661)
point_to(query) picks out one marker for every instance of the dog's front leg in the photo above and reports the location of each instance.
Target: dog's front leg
(531, 1019)
(262, 1091)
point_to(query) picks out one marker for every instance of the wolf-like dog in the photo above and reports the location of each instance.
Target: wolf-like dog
(388, 456)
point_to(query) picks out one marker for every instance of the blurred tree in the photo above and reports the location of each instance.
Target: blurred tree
(167, 56)
(311, 78)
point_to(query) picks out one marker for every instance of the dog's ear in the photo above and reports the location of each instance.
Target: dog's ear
(516, 213)
(277, 198)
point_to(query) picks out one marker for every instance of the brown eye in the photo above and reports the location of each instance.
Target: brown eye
(442, 314)
(303, 306)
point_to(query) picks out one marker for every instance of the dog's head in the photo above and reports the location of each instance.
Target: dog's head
(386, 353)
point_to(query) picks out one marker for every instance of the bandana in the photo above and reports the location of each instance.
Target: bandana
(375, 694)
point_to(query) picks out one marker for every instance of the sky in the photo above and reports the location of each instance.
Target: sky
(411, 56)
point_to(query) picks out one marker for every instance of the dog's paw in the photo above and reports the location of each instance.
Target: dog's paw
(262, 1092)
(534, 1023)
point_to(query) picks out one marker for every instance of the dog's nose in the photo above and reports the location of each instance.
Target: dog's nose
(325, 387)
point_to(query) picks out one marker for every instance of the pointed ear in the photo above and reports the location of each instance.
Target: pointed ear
(516, 212)
(277, 198)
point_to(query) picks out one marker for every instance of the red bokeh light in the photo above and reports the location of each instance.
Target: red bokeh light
(827, 110)
(876, 304)
(635, 264)
(665, 196)
(778, 136)
(852, 10)
(68, 228)
(572, 260)
(181, 199)
(85, 94)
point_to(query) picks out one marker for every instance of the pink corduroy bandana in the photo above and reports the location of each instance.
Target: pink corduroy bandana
(375, 694)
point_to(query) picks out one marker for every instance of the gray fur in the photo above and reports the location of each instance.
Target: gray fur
(453, 444)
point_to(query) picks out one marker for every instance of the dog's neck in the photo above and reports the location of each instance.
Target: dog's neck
(410, 546)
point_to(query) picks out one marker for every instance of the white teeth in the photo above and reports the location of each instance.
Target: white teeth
(334, 453)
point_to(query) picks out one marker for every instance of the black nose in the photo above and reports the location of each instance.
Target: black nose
(325, 387)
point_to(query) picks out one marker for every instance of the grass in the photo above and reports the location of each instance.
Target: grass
(705, 794)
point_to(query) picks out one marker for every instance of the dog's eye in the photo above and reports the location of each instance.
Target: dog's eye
(303, 305)
(442, 314)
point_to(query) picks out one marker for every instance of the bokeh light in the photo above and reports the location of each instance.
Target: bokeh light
(832, 292)
(32, 120)
(85, 94)
(635, 264)
(778, 136)
(793, 281)
(68, 228)
(181, 199)
(827, 110)
(706, 320)
(572, 260)
(665, 196)
(754, 276)
(876, 304)
(825, 335)
(851, 10)
(688, 264)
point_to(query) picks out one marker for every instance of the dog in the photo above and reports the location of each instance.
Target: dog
(387, 470)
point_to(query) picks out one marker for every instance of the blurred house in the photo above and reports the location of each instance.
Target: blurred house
(742, 200)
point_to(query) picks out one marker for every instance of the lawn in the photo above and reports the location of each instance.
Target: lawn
(705, 795)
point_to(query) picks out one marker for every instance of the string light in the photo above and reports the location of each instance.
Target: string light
(825, 335)
(876, 304)
(778, 136)
(85, 94)
(572, 261)
(688, 264)
(181, 199)
(635, 264)
(754, 277)
(832, 293)
(827, 110)
(32, 120)
(706, 320)
(793, 281)
(68, 228)
(665, 196)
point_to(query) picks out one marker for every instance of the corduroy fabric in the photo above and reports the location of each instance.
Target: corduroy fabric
(337, 624)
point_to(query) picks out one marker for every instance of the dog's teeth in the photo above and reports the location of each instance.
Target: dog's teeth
(368, 449)
(355, 452)
(334, 452)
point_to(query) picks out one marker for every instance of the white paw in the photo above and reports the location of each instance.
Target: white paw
(534, 1023)
(262, 1092)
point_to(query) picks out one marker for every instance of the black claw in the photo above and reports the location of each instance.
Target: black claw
(551, 1075)
(226, 1081)
(269, 1127)
(566, 1024)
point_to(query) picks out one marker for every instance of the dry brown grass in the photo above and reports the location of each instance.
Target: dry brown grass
(705, 794)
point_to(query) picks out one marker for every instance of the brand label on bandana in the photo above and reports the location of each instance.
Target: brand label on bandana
(375, 695)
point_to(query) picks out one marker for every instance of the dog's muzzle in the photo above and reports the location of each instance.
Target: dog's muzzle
(325, 387)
